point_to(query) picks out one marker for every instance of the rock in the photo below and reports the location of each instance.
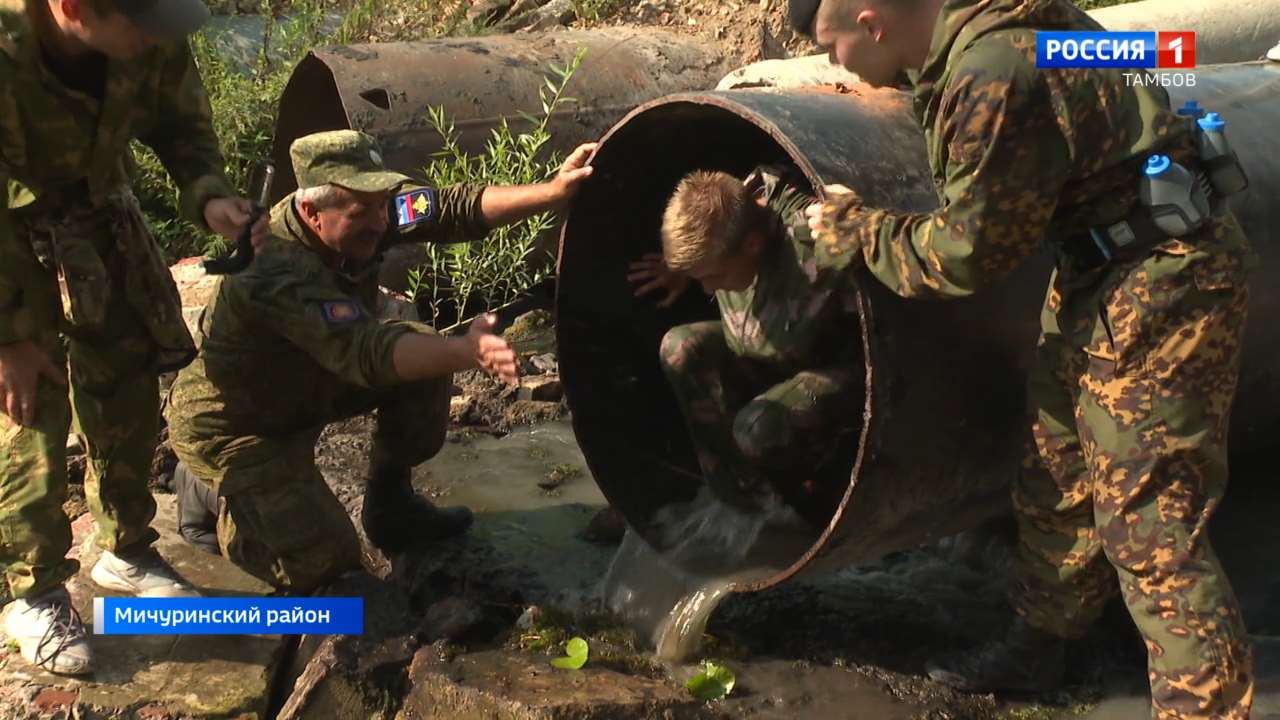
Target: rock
(483, 13)
(340, 676)
(533, 333)
(796, 72)
(450, 619)
(460, 409)
(195, 288)
(1274, 53)
(557, 475)
(529, 17)
(546, 363)
(527, 412)
(545, 388)
(171, 676)
(607, 527)
(517, 686)
(529, 617)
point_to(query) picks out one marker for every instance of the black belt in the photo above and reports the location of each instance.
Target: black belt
(58, 198)
(1130, 237)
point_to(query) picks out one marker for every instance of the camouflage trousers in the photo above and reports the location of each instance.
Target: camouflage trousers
(753, 423)
(1135, 375)
(277, 518)
(114, 405)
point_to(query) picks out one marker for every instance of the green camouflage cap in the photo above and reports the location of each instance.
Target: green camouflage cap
(802, 13)
(348, 158)
(164, 19)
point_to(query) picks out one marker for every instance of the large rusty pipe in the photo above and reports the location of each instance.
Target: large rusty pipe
(386, 89)
(943, 424)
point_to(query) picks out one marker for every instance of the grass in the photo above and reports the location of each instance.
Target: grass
(592, 11)
(613, 644)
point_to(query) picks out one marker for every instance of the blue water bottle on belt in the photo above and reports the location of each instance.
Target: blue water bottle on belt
(1174, 196)
(1220, 161)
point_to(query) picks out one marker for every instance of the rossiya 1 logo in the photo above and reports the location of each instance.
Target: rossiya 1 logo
(1173, 54)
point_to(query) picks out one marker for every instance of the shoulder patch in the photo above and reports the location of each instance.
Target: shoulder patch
(341, 312)
(416, 207)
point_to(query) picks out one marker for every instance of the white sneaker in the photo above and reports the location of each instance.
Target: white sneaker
(49, 633)
(145, 576)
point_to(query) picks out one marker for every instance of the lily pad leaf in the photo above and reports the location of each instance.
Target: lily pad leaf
(576, 652)
(713, 683)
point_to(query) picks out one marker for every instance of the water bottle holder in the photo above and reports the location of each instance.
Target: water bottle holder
(1214, 165)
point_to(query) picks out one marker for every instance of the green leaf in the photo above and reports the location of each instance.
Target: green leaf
(576, 651)
(713, 683)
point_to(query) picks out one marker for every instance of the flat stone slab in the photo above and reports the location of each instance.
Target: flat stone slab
(496, 685)
(156, 676)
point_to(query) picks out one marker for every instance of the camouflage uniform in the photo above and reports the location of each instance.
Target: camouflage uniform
(83, 280)
(1138, 359)
(765, 389)
(286, 347)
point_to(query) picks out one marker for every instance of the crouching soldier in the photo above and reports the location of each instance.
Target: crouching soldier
(767, 388)
(292, 344)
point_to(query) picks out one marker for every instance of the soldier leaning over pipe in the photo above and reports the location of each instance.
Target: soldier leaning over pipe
(80, 79)
(1139, 355)
(761, 387)
(292, 344)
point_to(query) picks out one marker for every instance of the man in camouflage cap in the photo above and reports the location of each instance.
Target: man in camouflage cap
(1139, 354)
(83, 283)
(764, 388)
(293, 344)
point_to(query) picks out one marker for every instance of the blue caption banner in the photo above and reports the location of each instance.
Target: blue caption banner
(1095, 49)
(228, 616)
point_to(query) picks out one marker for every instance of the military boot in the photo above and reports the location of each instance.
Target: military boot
(1025, 660)
(395, 516)
(197, 510)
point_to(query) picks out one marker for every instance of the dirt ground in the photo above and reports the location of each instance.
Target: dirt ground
(746, 30)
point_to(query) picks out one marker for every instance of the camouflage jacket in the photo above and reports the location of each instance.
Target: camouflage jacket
(284, 341)
(1020, 155)
(60, 146)
(786, 317)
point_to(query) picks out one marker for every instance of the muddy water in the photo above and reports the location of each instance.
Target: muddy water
(533, 531)
(669, 607)
(708, 549)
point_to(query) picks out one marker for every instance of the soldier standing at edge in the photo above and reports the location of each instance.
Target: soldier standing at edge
(80, 79)
(1139, 354)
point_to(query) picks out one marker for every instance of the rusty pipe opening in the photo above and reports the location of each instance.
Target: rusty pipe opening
(625, 414)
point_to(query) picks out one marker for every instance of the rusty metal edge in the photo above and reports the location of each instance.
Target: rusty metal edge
(723, 99)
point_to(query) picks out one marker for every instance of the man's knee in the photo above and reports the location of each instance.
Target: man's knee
(294, 540)
(413, 423)
(683, 344)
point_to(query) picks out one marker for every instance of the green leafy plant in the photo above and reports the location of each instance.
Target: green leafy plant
(575, 655)
(714, 682)
(245, 100)
(494, 273)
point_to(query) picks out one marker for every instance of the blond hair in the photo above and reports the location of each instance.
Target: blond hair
(707, 218)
